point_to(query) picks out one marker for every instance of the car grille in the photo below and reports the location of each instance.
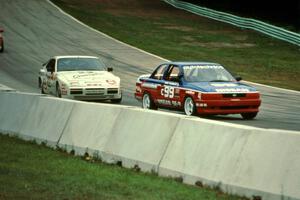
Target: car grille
(94, 91)
(112, 91)
(76, 91)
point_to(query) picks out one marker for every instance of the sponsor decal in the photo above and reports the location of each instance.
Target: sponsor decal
(223, 84)
(169, 102)
(93, 84)
(201, 105)
(226, 90)
(167, 92)
(111, 82)
(202, 67)
(149, 85)
(176, 103)
(189, 92)
(199, 95)
(164, 102)
(172, 83)
(84, 75)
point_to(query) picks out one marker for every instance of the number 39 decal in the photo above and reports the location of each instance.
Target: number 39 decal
(167, 92)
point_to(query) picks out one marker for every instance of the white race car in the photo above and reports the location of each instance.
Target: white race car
(79, 77)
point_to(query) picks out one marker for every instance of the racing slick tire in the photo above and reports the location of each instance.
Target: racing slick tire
(116, 100)
(41, 86)
(2, 48)
(189, 106)
(58, 91)
(147, 102)
(249, 116)
(42, 90)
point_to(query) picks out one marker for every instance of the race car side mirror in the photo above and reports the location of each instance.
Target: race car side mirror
(238, 78)
(42, 71)
(109, 69)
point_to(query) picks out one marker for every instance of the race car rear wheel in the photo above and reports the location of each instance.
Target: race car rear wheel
(2, 48)
(58, 91)
(147, 102)
(189, 106)
(248, 116)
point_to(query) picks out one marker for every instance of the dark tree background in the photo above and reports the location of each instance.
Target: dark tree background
(280, 13)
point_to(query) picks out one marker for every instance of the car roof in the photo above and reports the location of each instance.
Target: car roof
(181, 63)
(74, 56)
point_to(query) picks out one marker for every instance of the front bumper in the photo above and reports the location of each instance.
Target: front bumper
(228, 106)
(92, 93)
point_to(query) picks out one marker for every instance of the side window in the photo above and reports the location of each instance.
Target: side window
(159, 72)
(51, 65)
(172, 74)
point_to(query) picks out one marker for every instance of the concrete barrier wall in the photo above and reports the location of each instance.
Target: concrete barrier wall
(119, 134)
(140, 137)
(34, 116)
(46, 119)
(14, 108)
(89, 127)
(238, 159)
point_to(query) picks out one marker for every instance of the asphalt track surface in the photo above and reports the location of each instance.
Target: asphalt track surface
(35, 30)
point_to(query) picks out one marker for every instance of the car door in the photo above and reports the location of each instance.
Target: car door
(171, 87)
(50, 81)
(156, 81)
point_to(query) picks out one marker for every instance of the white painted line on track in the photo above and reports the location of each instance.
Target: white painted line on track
(80, 22)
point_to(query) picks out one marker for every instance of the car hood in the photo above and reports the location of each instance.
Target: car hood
(220, 87)
(88, 78)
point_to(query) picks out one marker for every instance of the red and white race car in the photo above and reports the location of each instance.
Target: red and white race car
(80, 78)
(197, 88)
(1, 41)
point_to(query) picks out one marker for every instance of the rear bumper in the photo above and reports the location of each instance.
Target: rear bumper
(228, 106)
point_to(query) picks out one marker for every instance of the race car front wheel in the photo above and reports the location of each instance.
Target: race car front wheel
(58, 91)
(248, 116)
(116, 100)
(147, 102)
(189, 106)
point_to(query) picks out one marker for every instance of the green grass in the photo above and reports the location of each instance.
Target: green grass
(31, 171)
(173, 34)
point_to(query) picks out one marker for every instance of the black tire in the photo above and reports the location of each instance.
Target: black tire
(58, 91)
(249, 116)
(42, 90)
(147, 102)
(41, 86)
(2, 48)
(189, 106)
(116, 100)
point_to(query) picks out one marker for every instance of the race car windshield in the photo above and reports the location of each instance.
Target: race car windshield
(80, 64)
(206, 73)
